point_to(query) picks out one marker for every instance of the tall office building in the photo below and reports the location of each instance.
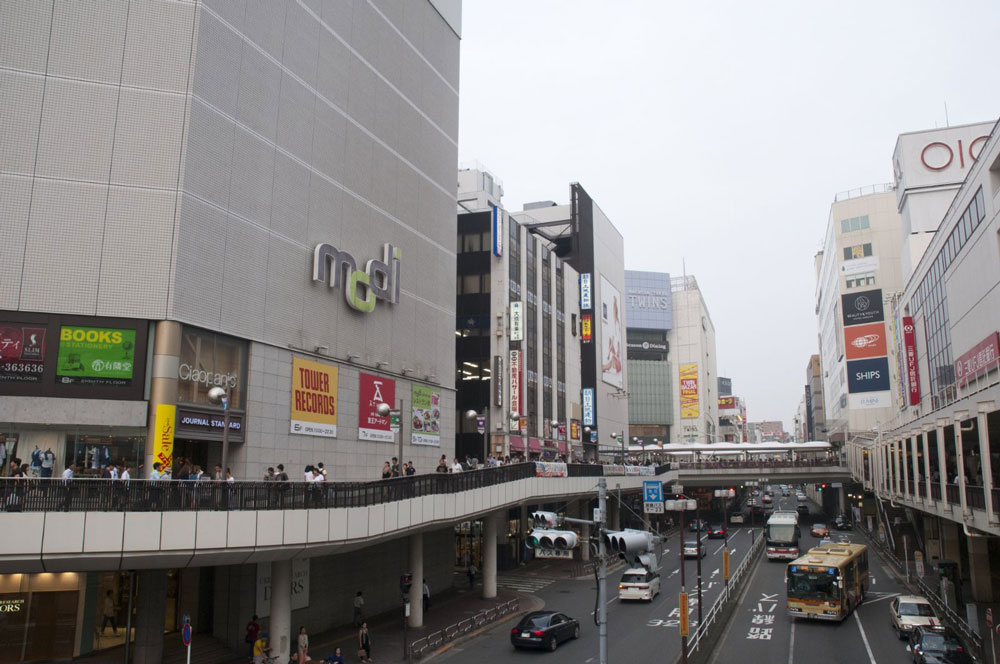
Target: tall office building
(692, 349)
(649, 311)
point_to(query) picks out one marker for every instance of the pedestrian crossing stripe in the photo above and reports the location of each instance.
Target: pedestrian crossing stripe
(523, 583)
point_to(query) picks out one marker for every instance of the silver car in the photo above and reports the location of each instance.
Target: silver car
(693, 549)
(907, 612)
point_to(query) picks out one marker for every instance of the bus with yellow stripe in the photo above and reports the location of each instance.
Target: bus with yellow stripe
(827, 582)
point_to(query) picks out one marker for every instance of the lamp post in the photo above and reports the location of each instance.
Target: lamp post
(621, 438)
(220, 395)
(385, 410)
(586, 441)
(472, 415)
(679, 506)
(554, 427)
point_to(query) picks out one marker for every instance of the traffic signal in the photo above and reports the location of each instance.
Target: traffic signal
(635, 546)
(821, 487)
(545, 519)
(545, 538)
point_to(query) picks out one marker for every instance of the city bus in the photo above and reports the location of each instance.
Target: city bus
(827, 582)
(782, 535)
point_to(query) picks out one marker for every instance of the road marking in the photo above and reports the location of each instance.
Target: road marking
(672, 573)
(791, 643)
(864, 638)
(715, 572)
(879, 599)
(720, 548)
(523, 583)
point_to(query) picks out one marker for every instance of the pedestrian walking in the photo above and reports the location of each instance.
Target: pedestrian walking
(110, 611)
(456, 467)
(282, 480)
(427, 597)
(364, 643)
(442, 465)
(410, 470)
(253, 632)
(303, 646)
(67, 486)
(359, 609)
(471, 572)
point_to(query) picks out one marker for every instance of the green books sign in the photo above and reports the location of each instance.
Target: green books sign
(95, 355)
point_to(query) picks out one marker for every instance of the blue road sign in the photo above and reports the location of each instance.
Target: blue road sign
(652, 491)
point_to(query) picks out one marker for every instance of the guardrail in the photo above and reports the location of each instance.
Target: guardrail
(435, 640)
(942, 608)
(728, 592)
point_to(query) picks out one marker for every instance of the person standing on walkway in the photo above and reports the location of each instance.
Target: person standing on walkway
(67, 482)
(442, 465)
(457, 466)
(253, 631)
(427, 597)
(109, 614)
(359, 609)
(471, 572)
(364, 643)
(303, 646)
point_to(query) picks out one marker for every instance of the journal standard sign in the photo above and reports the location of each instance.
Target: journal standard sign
(378, 281)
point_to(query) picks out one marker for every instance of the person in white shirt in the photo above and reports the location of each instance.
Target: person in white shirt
(68, 473)
(114, 472)
(456, 467)
(67, 476)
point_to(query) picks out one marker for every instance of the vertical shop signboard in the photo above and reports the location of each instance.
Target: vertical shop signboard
(515, 381)
(689, 391)
(314, 398)
(426, 424)
(375, 390)
(166, 415)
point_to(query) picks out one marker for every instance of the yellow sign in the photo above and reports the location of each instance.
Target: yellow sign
(166, 415)
(689, 391)
(685, 627)
(314, 398)
(725, 564)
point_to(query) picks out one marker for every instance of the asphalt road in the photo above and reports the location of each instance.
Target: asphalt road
(865, 637)
(637, 631)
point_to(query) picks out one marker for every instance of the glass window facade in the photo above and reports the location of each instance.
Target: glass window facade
(854, 224)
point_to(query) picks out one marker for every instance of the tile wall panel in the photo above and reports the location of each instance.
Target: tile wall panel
(24, 34)
(15, 192)
(77, 130)
(158, 45)
(88, 39)
(20, 115)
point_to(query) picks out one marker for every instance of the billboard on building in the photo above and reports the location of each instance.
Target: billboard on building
(978, 360)
(375, 390)
(863, 341)
(863, 307)
(912, 370)
(612, 336)
(515, 381)
(586, 292)
(22, 353)
(727, 403)
(516, 321)
(425, 427)
(648, 300)
(588, 406)
(689, 391)
(95, 355)
(725, 386)
(314, 398)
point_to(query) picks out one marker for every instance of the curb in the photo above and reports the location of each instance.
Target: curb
(535, 604)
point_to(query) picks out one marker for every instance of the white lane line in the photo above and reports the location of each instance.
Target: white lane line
(864, 637)
(791, 642)
(879, 599)
(719, 549)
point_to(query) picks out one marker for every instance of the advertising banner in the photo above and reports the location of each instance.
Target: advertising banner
(978, 360)
(727, 403)
(515, 381)
(516, 321)
(574, 430)
(689, 391)
(22, 353)
(498, 381)
(871, 375)
(586, 292)
(586, 328)
(588, 406)
(863, 307)
(725, 386)
(165, 417)
(95, 355)
(373, 391)
(314, 398)
(869, 400)
(497, 231)
(550, 469)
(861, 341)
(426, 423)
(611, 335)
(208, 424)
(912, 370)
(642, 349)
(648, 300)
(858, 265)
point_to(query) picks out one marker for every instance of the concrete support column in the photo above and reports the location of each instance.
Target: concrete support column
(983, 430)
(927, 464)
(280, 634)
(490, 556)
(915, 457)
(416, 618)
(960, 462)
(979, 569)
(163, 383)
(522, 533)
(585, 541)
(949, 542)
(151, 606)
(614, 512)
(904, 456)
(942, 461)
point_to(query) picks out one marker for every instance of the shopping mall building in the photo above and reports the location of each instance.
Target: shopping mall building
(253, 196)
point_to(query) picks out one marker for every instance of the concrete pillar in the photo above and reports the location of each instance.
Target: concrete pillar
(942, 460)
(522, 534)
(416, 618)
(979, 569)
(927, 465)
(949, 542)
(915, 458)
(151, 606)
(983, 430)
(280, 634)
(960, 462)
(490, 556)
(904, 457)
(162, 385)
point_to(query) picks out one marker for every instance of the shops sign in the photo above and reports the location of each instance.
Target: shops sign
(378, 281)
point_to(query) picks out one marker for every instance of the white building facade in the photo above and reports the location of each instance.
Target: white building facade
(692, 351)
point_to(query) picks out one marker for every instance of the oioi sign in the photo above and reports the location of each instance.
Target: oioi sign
(378, 281)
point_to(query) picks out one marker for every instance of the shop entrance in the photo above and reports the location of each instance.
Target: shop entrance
(198, 453)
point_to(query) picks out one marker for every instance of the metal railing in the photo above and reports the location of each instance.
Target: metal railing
(868, 190)
(435, 640)
(975, 497)
(951, 491)
(766, 464)
(728, 593)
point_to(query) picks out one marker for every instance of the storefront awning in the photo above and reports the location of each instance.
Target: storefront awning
(562, 446)
(534, 445)
(516, 444)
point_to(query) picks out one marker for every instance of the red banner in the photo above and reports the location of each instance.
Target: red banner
(978, 360)
(864, 341)
(912, 370)
(375, 390)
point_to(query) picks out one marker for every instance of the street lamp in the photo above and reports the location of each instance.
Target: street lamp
(220, 396)
(554, 426)
(472, 415)
(385, 410)
(621, 438)
(679, 506)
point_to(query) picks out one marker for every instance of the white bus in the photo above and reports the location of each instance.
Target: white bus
(782, 536)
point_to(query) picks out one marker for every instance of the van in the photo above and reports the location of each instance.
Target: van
(638, 583)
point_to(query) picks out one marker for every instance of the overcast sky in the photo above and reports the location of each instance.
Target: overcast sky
(716, 135)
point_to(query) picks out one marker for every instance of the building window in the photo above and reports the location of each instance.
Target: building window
(854, 224)
(857, 251)
(862, 279)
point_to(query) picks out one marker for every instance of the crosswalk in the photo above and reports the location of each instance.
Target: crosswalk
(524, 584)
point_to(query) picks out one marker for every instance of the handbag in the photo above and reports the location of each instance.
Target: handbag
(362, 653)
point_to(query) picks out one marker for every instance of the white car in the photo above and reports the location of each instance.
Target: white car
(736, 517)
(907, 612)
(693, 550)
(638, 583)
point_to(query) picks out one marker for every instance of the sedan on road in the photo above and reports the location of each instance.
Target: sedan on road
(693, 549)
(544, 629)
(842, 522)
(716, 531)
(819, 530)
(934, 645)
(908, 612)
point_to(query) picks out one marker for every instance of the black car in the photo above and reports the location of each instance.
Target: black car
(937, 645)
(716, 531)
(842, 523)
(803, 509)
(544, 629)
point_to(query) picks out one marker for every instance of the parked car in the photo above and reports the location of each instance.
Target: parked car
(933, 645)
(907, 612)
(697, 524)
(716, 531)
(819, 530)
(639, 583)
(693, 549)
(544, 629)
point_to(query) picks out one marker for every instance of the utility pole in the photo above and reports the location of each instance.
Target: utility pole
(602, 571)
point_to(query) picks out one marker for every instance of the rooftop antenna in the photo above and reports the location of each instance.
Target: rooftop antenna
(946, 122)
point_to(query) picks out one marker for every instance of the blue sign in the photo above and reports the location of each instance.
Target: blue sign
(871, 375)
(186, 634)
(652, 491)
(588, 406)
